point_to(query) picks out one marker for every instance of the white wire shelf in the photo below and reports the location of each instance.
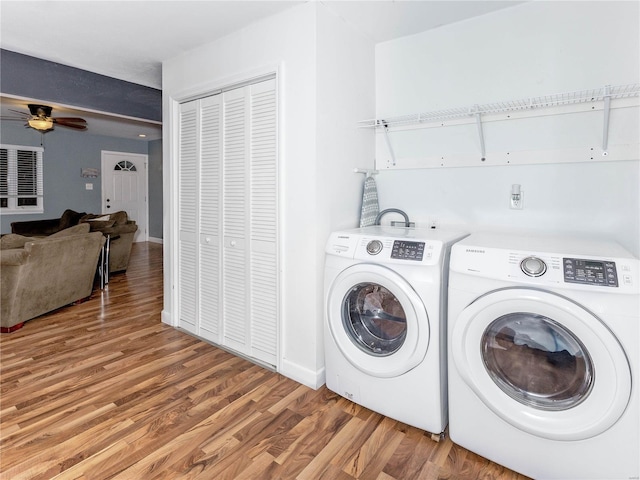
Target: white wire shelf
(559, 99)
(604, 94)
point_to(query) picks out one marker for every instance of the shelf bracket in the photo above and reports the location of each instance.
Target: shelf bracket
(476, 112)
(388, 140)
(606, 111)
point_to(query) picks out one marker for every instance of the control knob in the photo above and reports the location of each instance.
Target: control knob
(374, 247)
(533, 266)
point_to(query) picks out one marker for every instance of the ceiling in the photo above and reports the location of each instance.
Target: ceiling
(129, 40)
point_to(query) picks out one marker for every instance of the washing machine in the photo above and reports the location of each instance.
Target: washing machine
(543, 355)
(384, 328)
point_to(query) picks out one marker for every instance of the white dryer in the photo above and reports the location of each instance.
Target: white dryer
(384, 330)
(543, 355)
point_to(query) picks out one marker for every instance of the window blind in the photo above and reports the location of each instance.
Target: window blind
(21, 179)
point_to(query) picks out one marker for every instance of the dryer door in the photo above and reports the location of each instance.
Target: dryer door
(377, 320)
(542, 363)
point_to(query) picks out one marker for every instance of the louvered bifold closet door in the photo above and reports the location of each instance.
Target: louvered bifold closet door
(188, 164)
(263, 223)
(227, 265)
(210, 218)
(234, 206)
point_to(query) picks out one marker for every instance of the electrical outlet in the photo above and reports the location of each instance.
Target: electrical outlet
(433, 223)
(516, 199)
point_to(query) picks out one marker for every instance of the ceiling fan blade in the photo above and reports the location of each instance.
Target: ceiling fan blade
(12, 118)
(77, 123)
(68, 119)
(24, 114)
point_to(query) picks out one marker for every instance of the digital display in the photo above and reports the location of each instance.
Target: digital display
(407, 250)
(590, 272)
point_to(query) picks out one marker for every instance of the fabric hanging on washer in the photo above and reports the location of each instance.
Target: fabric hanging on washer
(370, 207)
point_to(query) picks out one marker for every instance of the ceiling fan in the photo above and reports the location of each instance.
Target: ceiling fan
(39, 118)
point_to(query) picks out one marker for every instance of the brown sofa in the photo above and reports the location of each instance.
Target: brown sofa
(117, 225)
(38, 275)
(40, 228)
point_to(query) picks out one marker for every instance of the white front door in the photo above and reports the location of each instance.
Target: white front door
(124, 187)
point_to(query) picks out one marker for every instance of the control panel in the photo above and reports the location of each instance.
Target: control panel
(397, 251)
(405, 250)
(590, 272)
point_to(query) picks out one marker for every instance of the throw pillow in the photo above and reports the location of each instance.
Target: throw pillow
(91, 217)
(103, 218)
(13, 240)
(75, 230)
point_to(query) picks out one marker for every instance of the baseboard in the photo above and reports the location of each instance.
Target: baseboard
(13, 328)
(309, 378)
(165, 317)
(155, 240)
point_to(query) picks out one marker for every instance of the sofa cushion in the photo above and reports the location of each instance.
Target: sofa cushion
(79, 229)
(102, 221)
(69, 218)
(98, 223)
(13, 240)
(120, 217)
(98, 226)
(12, 258)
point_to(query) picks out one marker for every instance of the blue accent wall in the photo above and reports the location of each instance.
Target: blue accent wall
(23, 76)
(155, 189)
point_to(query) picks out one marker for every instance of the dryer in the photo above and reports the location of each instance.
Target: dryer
(543, 355)
(384, 329)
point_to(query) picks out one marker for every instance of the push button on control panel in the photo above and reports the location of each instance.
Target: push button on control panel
(374, 247)
(533, 266)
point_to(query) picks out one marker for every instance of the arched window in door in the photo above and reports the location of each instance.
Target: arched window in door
(125, 166)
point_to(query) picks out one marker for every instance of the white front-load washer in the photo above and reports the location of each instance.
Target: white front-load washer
(384, 330)
(543, 355)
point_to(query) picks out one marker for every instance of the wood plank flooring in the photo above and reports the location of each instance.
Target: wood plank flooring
(104, 390)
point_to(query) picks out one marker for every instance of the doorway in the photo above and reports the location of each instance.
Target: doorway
(124, 187)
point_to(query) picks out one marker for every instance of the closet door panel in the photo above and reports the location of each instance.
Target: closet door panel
(235, 163)
(263, 225)
(209, 218)
(234, 206)
(188, 202)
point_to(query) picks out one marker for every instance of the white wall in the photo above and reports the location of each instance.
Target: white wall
(345, 95)
(528, 50)
(304, 44)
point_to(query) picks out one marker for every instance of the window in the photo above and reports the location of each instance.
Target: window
(21, 184)
(125, 166)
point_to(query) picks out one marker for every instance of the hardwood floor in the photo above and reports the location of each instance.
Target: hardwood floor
(103, 389)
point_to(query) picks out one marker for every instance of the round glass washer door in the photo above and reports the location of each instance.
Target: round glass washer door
(542, 363)
(377, 320)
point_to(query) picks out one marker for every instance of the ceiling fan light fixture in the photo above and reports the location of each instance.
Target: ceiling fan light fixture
(42, 124)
